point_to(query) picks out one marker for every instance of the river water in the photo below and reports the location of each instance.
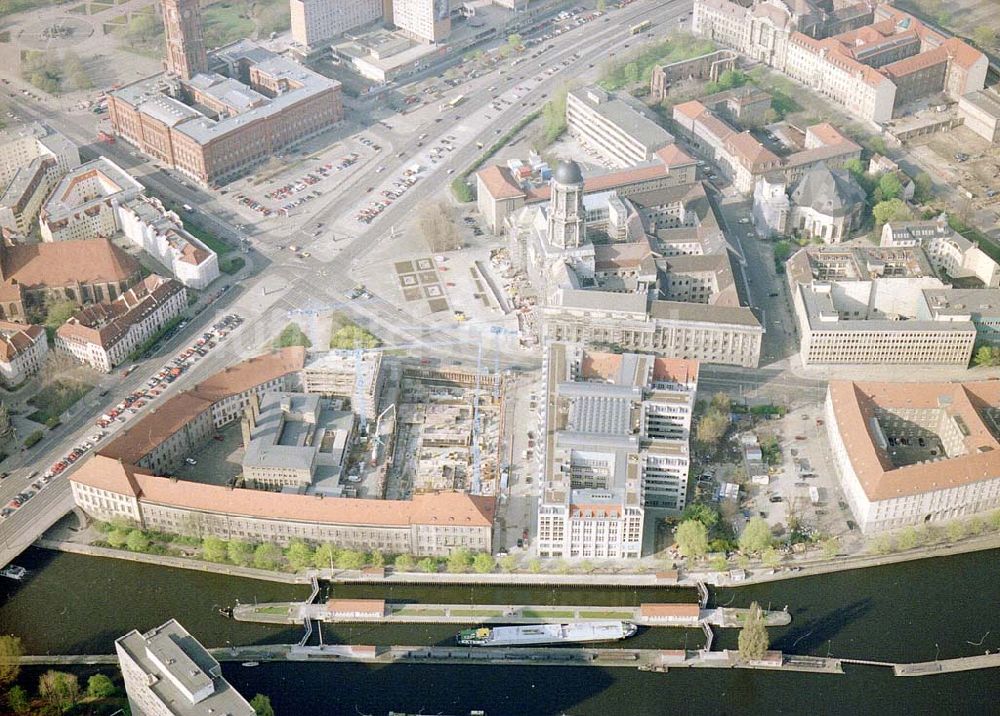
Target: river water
(905, 612)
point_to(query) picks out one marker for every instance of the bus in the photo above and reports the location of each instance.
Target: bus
(641, 27)
(452, 103)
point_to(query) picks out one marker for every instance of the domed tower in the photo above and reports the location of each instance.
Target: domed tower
(566, 213)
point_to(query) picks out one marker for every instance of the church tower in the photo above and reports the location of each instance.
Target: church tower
(566, 213)
(185, 41)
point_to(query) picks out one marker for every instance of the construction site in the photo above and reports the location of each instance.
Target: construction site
(448, 429)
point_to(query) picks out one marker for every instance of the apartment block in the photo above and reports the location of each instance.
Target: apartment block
(161, 234)
(621, 132)
(22, 351)
(31, 162)
(167, 672)
(423, 20)
(317, 21)
(84, 204)
(615, 439)
(104, 335)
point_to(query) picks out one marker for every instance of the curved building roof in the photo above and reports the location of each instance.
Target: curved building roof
(568, 172)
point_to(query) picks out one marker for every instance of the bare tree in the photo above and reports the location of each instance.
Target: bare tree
(437, 225)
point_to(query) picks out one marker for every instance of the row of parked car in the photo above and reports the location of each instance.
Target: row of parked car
(399, 187)
(130, 406)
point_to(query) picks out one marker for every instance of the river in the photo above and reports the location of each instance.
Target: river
(904, 612)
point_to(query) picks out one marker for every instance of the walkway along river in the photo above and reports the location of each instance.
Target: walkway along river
(910, 612)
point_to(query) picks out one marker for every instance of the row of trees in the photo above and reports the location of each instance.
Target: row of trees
(912, 537)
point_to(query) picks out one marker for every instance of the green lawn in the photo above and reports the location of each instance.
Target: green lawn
(608, 615)
(10, 7)
(418, 612)
(53, 400)
(232, 264)
(217, 245)
(477, 612)
(548, 613)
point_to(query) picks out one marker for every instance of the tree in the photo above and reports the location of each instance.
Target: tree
(267, 556)
(975, 526)
(261, 705)
(891, 210)
(404, 563)
(57, 312)
(692, 538)
(770, 557)
(855, 167)
(484, 563)
(535, 564)
(831, 547)
(350, 559)
(353, 336)
(882, 544)
(718, 563)
(118, 537)
(214, 549)
(984, 36)
(753, 639)
(292, 335)
(10, 653)
(923, 187)
(601, 5)
(428, 564)
(507, 563)
(459, 560)
(137, 541)
(907, 538)
(712, 427)
(514, 41)
(100, 686)
(756, 536)
(17, 699)
(299, 555)
(721, 402)
(240, 552)
(376, 558)
(631, 73)
(955, 530)
(60, 689)
(986, 356)
(436, 223)
(888, 187)
(701, 512)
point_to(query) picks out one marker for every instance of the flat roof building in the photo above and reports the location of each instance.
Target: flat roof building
(317, 21)
(167, 672)
(31, 162)
(980, 112)
(915, 453)
(615, 441)
(84, 203)
(620, 131)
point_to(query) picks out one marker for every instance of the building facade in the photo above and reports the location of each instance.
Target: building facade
(876, 432)
(949, 252)
(334, 374)
(980, 112)
(84, 204)
(31, 163)
(423, 20)
(22, 352)
(167, 672)
(619, 131)
(104, 335)
(615, 436)
(317, 21)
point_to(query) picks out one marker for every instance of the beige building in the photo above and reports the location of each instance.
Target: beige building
(84, 204)
(500, 194)
(949, 252)
(910, 454)
(167, 672)
(31, 162)
(334, 375)
(22, 351)
(743, 159)
(429, 524)
(615, 439)
(423, 20)
(980, 112)
(871, 61)
(315, 22)
(103, 335)
(864, 306)
(619, 130)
